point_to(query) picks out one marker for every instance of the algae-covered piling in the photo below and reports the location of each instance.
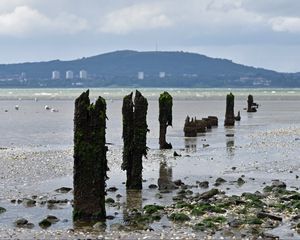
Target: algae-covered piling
(135, 138)
(251, 105)
(165, 119)
(90, 163)
(229, 115)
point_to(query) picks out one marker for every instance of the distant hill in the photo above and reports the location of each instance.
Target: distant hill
(160, 69)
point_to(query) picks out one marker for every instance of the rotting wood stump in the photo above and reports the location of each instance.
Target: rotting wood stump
(251, 104)
(165, 118)
(229, 115)
(135, 130)
(90, 163)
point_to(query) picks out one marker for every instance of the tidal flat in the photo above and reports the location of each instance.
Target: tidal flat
(242, 186)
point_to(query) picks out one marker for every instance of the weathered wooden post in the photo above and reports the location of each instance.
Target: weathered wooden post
(90, 163)
(165, 119)
(127, 112)
(251, 104)
(238, 117)
(135, 138)
(229, 115)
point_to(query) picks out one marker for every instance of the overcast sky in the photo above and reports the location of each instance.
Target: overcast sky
(262, 33)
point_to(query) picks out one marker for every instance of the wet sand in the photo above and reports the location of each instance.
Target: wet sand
(265, 147)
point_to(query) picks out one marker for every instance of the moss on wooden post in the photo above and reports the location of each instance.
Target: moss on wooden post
(135, 138)
(165, 119)
(127, 112)
(90, 163)
(229, 115)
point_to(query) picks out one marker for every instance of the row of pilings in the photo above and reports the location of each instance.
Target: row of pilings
(90, 162)
(230, 118)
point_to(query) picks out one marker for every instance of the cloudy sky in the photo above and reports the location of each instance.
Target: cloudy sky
(263, 33)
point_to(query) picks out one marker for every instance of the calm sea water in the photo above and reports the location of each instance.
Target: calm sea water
(150, 93)
(33, 126)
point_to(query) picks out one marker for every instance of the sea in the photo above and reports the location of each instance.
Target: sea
(31, 125)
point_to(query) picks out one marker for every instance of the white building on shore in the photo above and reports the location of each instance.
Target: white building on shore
(141, 75)
(55, 75)
(162, 75)
(69, 74)
(83, 74)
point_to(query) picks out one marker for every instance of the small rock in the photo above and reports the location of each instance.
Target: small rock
(58, 201)
(99, 225)
(219, 181)
(2, 210)
(45, 223)
(52, 219)
(189, 192)
(229, 135)
(175, 154)
(177, 198)
(110, 217)
(209, 194)
(110, 201)
(204, 184)
(118, 195)
(158, 195)
(278, 184)
(178, 182)
(233, 168)
(112, 189)
(20, 222)
(235, 223)
(240, 181)
(152, 186)
(29, 202)
(269, 236)
(205, 145)
(63, 190)
(268, 215)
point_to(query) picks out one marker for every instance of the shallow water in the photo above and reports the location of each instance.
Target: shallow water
(264, 147)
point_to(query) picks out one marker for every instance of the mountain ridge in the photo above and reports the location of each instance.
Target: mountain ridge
(120, 68)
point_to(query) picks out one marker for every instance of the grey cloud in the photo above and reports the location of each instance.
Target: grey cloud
(75, 28)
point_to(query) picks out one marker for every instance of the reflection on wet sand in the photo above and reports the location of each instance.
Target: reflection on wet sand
(132, 205)
(190, 144)
(230, 148)
(81, 225)
(165, 177)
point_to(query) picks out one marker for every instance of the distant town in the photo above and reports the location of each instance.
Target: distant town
(143, 69)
